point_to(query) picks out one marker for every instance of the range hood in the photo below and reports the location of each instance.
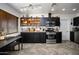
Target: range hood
(49, 15)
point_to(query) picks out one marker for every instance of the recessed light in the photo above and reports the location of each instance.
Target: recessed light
(63, 9)
(40, 7)
(74, 9)
(25, 9)
(52, 9)
(21, 10)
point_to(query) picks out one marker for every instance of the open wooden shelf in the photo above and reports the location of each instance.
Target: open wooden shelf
(30, 21)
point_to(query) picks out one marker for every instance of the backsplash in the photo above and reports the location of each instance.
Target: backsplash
(33, 29)
(36, 28)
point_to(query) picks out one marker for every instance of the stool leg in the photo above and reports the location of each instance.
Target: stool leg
(21, 45)
(18, 46)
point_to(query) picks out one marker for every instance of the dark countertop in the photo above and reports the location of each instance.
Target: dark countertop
(74, 31)
(8, 41)
(33, 32)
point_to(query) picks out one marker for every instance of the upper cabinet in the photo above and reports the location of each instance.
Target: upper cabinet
(53, 21)
(57, 21)
(76, 21)
(8, 22)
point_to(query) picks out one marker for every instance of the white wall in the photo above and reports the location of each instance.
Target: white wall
(11, 10)
(77, 14)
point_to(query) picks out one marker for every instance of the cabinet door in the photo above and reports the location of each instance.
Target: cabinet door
(58, 37)
(42, 37)
(76, 21)
(57, 21)
(27, 37)
(76, 37)
(72, 36)
(30, 38)
(36, 38)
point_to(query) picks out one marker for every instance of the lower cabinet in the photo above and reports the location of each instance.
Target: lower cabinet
(58, 37)
(33, 37)
(42, 37)
(72, 36)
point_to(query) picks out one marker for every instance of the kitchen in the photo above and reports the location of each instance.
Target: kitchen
(38, 25)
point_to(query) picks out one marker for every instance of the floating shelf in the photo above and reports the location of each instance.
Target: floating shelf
(30, 21)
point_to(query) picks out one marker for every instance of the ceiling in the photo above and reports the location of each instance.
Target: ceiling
(46, 8)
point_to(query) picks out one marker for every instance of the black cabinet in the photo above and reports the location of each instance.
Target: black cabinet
(54, 21)
(72, 36)
(27, 37)
(58, 37)
(76, 21)
(57, 21)
(42, 37)
(33, 37)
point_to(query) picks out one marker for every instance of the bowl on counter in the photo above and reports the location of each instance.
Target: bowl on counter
(2, 38)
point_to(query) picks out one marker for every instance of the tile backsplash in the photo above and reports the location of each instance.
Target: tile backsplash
(34, 28)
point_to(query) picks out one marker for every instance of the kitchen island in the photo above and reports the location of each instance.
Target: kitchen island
(33, 37)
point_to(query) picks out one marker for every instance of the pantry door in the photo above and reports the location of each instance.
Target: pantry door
(65, 28)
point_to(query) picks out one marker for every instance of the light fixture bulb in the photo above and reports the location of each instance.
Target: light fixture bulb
(63, 9)
(21, 10)
(24, 9)
(52, 9)
(74, 9)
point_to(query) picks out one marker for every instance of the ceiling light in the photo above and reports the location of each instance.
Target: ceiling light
(63, 9)
(74, 9)
(25, 9)
(21, 10)
(40, 7)
(52, 9)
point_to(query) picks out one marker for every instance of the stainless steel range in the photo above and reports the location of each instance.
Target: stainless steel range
(51, 37)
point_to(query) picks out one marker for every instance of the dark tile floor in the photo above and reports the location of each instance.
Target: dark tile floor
(64, 48)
